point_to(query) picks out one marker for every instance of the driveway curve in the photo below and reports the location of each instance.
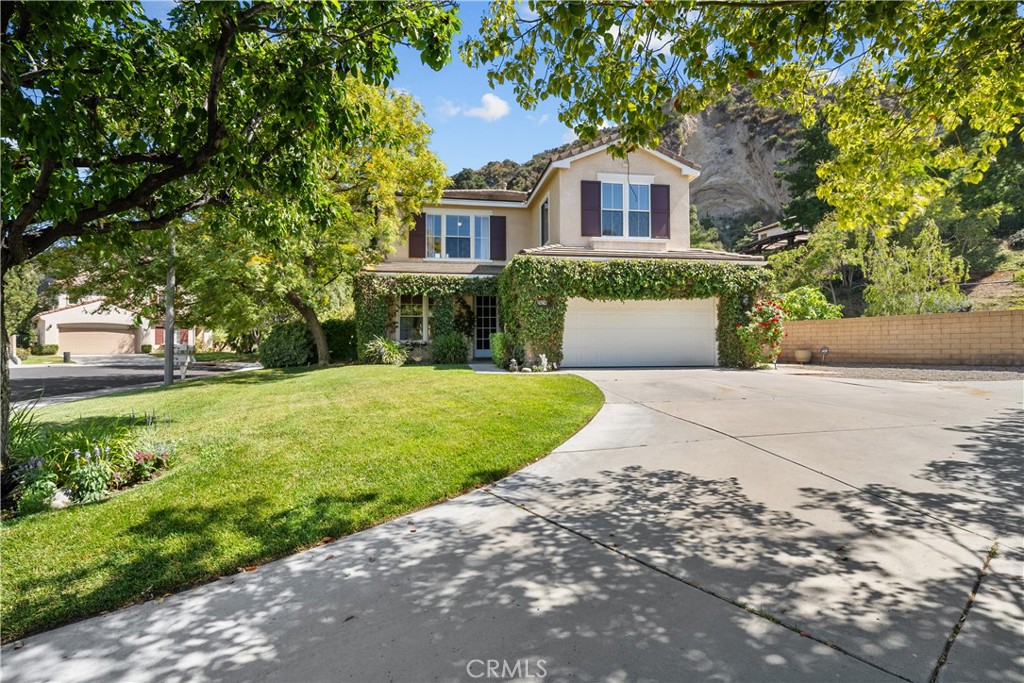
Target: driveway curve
(707, 525)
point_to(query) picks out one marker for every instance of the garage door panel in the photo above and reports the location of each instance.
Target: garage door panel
(96, 340)
(639, 333)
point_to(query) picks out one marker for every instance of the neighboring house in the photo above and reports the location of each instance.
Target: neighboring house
(774, 237)
(89, 328)
(587, 205)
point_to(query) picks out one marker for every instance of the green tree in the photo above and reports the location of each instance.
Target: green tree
(908, 280)
(113, 122)
(266, 254)
(830, 255)
(21, 295)
(890, 78)
(702, 236)
(805, 207)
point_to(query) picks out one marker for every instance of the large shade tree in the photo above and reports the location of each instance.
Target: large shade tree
(113, 121)
(272, 252)
(891, 78)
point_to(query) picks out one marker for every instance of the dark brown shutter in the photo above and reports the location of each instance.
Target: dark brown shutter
(590, 208)
(497, 238)
(659, 211)
(418, 238)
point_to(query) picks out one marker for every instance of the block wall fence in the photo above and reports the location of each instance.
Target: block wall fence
(976, 338)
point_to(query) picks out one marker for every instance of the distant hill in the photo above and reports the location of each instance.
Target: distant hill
(738, 143)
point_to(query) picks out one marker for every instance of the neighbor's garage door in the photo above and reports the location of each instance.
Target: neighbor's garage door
(96, 340)
(639, 333)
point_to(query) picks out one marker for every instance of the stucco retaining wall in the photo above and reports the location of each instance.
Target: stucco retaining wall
(977, 338)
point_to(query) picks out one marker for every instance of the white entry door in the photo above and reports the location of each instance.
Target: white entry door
(679, 332)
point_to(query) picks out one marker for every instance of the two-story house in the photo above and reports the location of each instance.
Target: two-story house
(587, 205)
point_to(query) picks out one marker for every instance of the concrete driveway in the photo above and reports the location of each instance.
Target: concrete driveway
(707, 525)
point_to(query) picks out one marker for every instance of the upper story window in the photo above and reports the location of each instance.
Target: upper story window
(454, 236)
(625, 210)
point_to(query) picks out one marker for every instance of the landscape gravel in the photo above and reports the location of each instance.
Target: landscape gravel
(912, 373)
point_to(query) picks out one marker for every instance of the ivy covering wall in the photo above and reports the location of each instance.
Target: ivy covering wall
(534, 292)
(376, 293)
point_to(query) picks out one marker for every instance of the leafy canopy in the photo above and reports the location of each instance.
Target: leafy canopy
(891, 78)
(113, 122)
(256, 258)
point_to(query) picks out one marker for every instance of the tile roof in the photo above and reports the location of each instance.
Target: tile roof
(487, 195)
(436, 267)
(679, 255)
(83, 302)
(611, 138)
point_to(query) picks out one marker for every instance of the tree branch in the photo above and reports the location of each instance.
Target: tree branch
(127, 159)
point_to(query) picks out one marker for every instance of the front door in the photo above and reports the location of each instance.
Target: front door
(486, 325)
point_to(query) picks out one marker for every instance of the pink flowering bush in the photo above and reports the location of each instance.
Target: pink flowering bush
(761, 338)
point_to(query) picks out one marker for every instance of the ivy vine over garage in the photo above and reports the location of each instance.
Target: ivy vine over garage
(534, 293)
(375, 294)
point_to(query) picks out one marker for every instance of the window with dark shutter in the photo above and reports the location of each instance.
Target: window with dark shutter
(418, 238)
(497, 238)
(590, 208)
(660, 212)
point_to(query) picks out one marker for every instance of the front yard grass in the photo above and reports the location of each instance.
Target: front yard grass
(273, 462)
(40, 360)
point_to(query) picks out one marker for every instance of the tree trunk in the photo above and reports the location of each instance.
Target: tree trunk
(5, 406)
(323, 355)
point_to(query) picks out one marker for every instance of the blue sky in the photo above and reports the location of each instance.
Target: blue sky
(472, 123)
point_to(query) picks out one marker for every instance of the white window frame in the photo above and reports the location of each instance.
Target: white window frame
(425, 319)
(472, 214)
(625, 180)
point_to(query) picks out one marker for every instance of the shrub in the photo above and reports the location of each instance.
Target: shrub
(147, 348)
(91, 479)
(449, 349)
(37, 496)
(341, 339)
(808, 303)
(21, 353)
(500, 349)
(382, 351)
(761, 337)
(44, 350)
(1018, 277)
(288, 345)
(1016, 240)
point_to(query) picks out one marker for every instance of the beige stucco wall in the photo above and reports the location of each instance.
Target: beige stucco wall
(562, 188)
(640, 163)
(519, 229)
(48, 324)
(978, 338)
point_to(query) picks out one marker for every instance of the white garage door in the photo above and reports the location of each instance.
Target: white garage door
(639, 333)
(96, 340)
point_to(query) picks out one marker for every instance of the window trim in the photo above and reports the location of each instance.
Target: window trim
(424, 319)
(625, 180)
(472, 214)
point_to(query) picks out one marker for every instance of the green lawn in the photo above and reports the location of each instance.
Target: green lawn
(218, 357)
(272, 462)
(39, 360)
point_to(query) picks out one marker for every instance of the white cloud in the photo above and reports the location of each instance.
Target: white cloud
(539, 120)
(448, 109)
(491, 108)
(569, 136)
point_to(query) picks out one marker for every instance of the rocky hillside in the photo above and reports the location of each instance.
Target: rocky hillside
(738, 143)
